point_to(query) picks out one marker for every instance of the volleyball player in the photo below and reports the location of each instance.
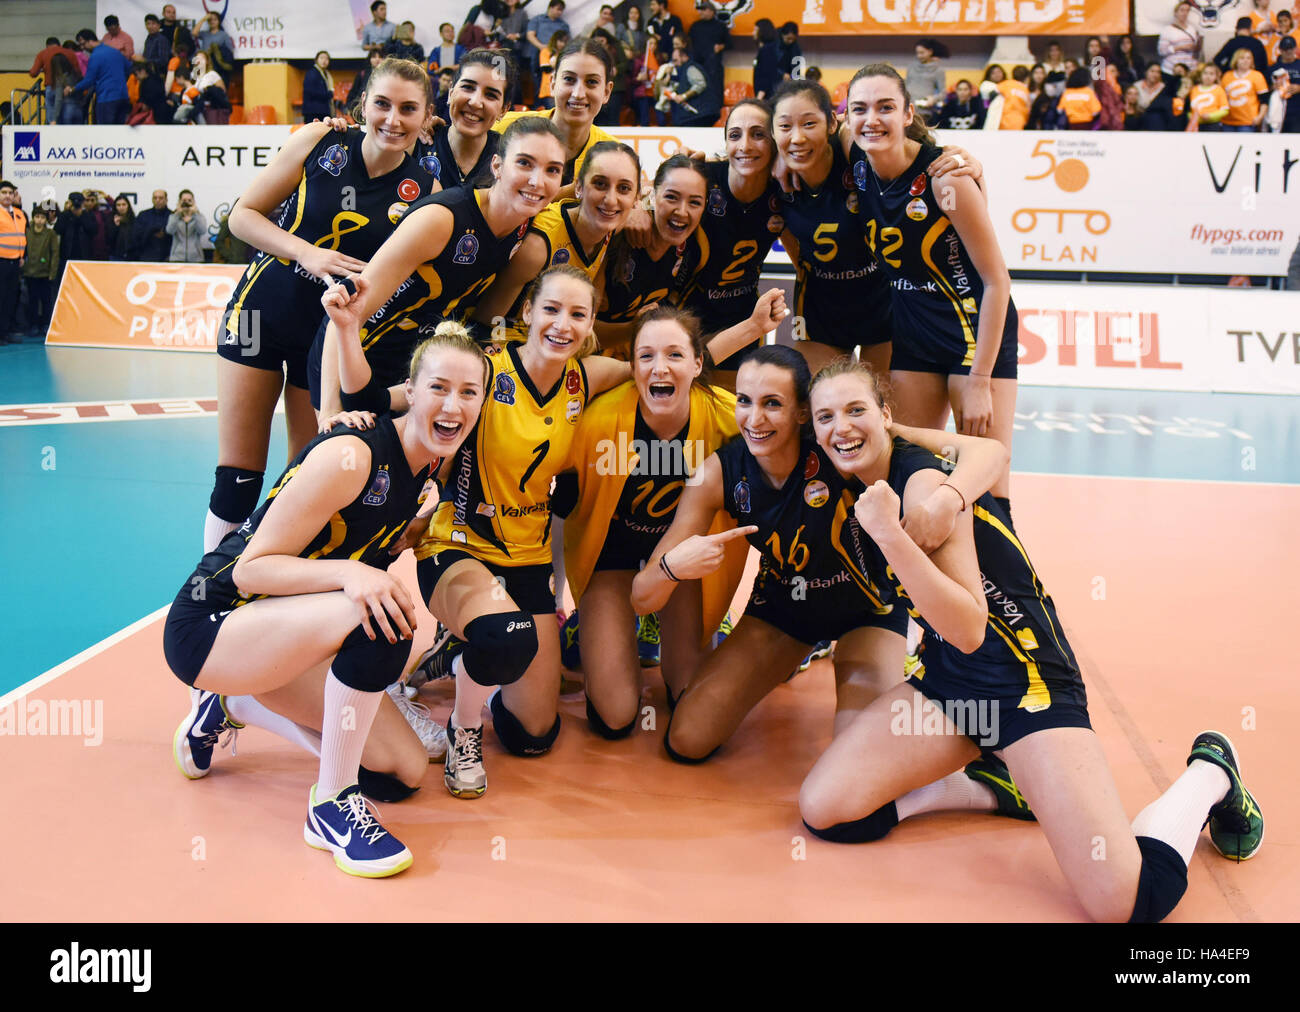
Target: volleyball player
(637, 278)
(955, 326)
(462, 152)
(575, 232)
(445, 253)
(340, 196)
(297, 602)
(780, 488)
(995, 649)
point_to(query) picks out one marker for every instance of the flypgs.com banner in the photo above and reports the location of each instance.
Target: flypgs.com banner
(937, 17)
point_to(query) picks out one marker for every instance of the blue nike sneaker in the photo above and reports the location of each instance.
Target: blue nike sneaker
(345, 825)
(725, 628)
(201, 731)
(570, 654)
(822, 649)
(647, 640)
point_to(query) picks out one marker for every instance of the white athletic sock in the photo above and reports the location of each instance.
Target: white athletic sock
(955, 792)
(215, 530)
(348, 716)
(248, 710)
(470, 697)
(1177, 816)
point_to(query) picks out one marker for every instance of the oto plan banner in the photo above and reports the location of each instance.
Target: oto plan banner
(177, 307)
(933, 17)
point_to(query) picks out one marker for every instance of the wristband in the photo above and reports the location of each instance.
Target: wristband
(959, 495)
(373, 397)
(663, 564)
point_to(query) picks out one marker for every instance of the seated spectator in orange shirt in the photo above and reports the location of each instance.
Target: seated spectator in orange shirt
(1247, 93)
(1285, 27)
(1208, 100)
(1079, 102)
(1015, 100)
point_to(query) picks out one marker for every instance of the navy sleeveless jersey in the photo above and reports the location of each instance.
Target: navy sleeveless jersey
(439, 160)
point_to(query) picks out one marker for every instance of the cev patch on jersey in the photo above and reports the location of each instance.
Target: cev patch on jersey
(505, 389)
(561, 257)
(741, 494)
(717, 202)
(431, 165)
(378, 494)
(466, 249)
(333, 160)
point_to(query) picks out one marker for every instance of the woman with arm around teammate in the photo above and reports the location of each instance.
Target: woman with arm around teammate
(299, 597)
(337, 194)
(1001, 657)
(955, 326)
(790, 504)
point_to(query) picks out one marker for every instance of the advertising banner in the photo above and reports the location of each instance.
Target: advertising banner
(934, 17)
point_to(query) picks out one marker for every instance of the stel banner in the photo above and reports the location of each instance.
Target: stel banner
(933, 17)
(1168, 203)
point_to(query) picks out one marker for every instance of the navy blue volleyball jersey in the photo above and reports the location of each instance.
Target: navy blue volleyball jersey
(840, 291)
(738, 238)
(363, 530)
(800, 529)
(446, 287)
(439, 160)
(634, 279)
(1025, 655)
(936, 289)
(650, 495)
(336, 206)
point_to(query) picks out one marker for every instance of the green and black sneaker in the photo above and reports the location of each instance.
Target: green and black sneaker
(992, 772)
(1236, 823)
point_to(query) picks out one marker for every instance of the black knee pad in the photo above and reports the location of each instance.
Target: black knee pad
(1161, 883)
(676, 756)
(604, 730)
(370, 665)
(236, 493)
(672, 700)
(500, 647)
(512, 735)
(871, 827)
(383, 786)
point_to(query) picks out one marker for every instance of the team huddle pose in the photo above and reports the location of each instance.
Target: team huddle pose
(516, 380)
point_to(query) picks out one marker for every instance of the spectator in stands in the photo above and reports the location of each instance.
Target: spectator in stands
(611, 110)
(767, 61)
(540, 30)
(1288, 88)
(1167, 108)
(666, 26)
(67, 73)
(213, 40)
(378, 32)
(41, 68)
(1133, 115)
(925, 82)
(1054, 70)
(1225, 58)
(73, 229)
(1208, 100)
(688, 94)
(994, 75)
(106, 77)
(98, 217)
(13, 246)
(1111, 97)
(442, 94)
(151, 241)
(1152, 83)
(790, 50)
(604, 22)
(1128, 62)
(170, 26)
(205, 100)
(709, 39)
(1079, 101)
(157, 50)
(359, 82)
(1261, 21)
(40, 269)
(1247, 93)
(639, 85)
(1093, 51)
(1179, 42)
(446, 55)
(964, 111)
(180, 58)
(151, 94)
(1015, 100)
(546, 67)
(118, 39)
(813, 74)
(1285, 30)
(121, 231)
(632, 32)
(1034, 85)
(188, 230)
(318, 90)
(403, 46)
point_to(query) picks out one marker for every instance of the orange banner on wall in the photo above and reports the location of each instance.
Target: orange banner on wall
(935, 17)
(174, 307)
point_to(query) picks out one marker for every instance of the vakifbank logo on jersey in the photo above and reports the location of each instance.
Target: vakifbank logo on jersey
(27, 145)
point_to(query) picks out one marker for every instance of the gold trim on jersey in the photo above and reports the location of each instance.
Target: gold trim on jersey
(232, 321)
(1037, 694)
(927, 244)
(338, 531)
(841, 516)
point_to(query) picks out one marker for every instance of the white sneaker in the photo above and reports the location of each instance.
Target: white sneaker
(465, 776)
(432, 735)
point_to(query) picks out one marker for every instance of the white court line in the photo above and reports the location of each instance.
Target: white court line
(85, 655)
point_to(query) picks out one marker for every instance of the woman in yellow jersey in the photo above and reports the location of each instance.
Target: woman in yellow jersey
(441, 258)
(573, 232)
(1247, 93)
(583, 82)
(1208, 100)
(635, 450)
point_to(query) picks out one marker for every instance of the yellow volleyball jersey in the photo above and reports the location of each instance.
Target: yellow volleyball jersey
(497, 504)
(556, 228)
(572, 169)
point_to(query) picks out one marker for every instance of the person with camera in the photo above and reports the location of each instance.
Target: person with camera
(188, 228)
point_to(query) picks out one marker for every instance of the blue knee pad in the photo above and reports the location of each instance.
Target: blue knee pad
(604, 730)
(235, 493)
(512, 734)
(1161, 883)
(370, 665)
(871, 827)
(383, 786)
(500, 647)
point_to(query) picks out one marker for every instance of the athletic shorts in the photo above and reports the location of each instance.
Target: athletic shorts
(624, 549)
(190, 632)
(821, 615)
(532, 588)
(271, 349)
(903, 358)
(1004, 720)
